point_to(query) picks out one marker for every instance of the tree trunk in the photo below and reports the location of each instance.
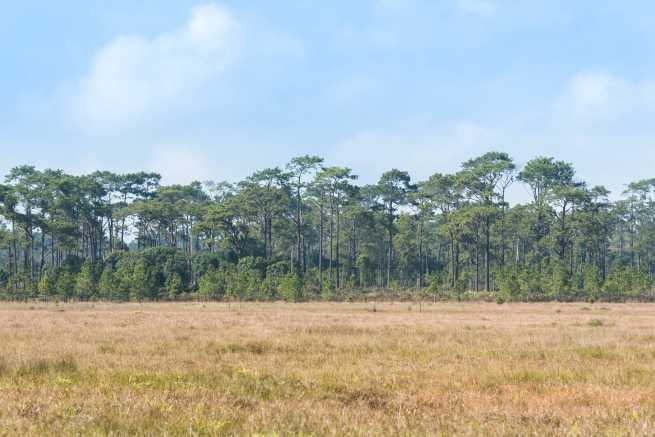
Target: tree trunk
(487, 255)
(337, 247)
(320, 249)
(389, 255)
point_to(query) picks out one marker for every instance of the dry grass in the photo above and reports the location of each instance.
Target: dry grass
(327, 369)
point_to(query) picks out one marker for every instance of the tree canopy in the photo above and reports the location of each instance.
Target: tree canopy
(310, 231)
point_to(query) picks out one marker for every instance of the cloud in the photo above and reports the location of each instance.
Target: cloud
(600, 97)
(477, 7)
(599, 121)
(421, 147)
(134, 78)
(181, 165)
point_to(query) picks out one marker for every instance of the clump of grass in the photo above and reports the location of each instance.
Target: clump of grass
(335, 329)
(4, 367)
(596, 353)
(106, 349)
(596, 323)
(372, 396)
(44, 366)
(250, 347)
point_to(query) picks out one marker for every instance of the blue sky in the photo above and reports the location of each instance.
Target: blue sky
(215, 90)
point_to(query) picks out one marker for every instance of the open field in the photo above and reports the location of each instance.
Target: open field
(327, 369)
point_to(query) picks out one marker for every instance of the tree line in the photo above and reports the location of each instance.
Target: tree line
(309, 231)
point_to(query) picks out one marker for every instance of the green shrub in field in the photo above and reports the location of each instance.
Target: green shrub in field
(625, 282)
(592, 282)
(174, 285)
(108, 284)
(510, 287)
(560, 283)
(66, 283)
(213, 284)
(48, 283)
(291, 288)
(85, 283)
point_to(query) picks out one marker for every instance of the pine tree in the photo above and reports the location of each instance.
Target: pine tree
(85, 285)
(107, 286)
(66, 282)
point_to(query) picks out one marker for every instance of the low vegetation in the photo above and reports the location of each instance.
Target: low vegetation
(327, 369)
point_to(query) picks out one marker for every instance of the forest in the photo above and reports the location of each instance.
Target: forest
(309, 231)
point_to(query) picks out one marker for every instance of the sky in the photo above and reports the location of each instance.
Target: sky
(216, 90)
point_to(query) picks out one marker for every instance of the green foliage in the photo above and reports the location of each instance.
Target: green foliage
(123, 278)
(144, 281)
(48, 284)
(213, 284)
(560, 283)
(245, 280)
(122, 237)
(625, 283)
(291, 288)
(108, 285)
(85, 285)
(174, 285)
(592, 282)
(204, 262)
(66, 283)
(510, 286)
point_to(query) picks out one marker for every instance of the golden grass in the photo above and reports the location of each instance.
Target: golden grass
(327, 369)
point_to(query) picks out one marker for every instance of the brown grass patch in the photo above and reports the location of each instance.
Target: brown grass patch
(327, 369)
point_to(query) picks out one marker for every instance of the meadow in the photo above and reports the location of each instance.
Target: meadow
(327, 369)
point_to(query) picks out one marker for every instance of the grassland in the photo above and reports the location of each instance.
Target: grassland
(327, 369)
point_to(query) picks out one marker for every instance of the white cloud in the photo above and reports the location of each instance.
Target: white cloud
(600, 97)
(422, 148)
(477, 7)
(181, 165)
(601, 122)
(134, 78)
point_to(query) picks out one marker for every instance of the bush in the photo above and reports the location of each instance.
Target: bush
(108, 285)
(291, 288)
(48, 284)
(173, 285)
(510, 287)
(66, 282)
(85, 284)
(213, 284)
(205, 262)
(560, 283)
(592, 282)
(625, 282)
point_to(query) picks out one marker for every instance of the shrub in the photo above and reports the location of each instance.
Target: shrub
(510, 288)
(85, 284)
(66, 284)
(291, 288)
(108, 285)
(213, 284)
(48, 283)
(173, 285)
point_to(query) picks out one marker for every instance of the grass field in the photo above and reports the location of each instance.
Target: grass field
(327, 369)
